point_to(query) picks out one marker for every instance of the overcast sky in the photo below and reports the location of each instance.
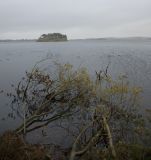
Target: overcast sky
(76, 18)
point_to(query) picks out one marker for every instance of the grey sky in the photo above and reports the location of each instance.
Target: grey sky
(76, 18)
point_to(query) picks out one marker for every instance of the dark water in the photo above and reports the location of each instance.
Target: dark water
(132, 57)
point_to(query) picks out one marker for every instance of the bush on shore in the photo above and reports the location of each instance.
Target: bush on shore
(104, 114)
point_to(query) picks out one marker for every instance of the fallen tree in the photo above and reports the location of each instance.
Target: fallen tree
(103, 112)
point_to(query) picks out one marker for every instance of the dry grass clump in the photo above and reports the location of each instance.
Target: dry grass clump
(12, 147)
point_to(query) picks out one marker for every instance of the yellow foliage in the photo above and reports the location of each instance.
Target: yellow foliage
(136, 90)
(117, 89)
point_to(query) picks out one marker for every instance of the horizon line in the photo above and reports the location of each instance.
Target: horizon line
(114, 37)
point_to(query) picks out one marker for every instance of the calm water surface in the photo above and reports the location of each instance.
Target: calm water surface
(125, 56)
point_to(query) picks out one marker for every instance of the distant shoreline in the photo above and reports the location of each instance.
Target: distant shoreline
(105, 38)
(18, 40)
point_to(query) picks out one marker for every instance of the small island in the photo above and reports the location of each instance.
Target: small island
(52, 37)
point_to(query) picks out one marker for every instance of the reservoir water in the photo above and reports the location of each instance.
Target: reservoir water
(130, 56)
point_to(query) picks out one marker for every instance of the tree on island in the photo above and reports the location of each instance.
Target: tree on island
(52, 37)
